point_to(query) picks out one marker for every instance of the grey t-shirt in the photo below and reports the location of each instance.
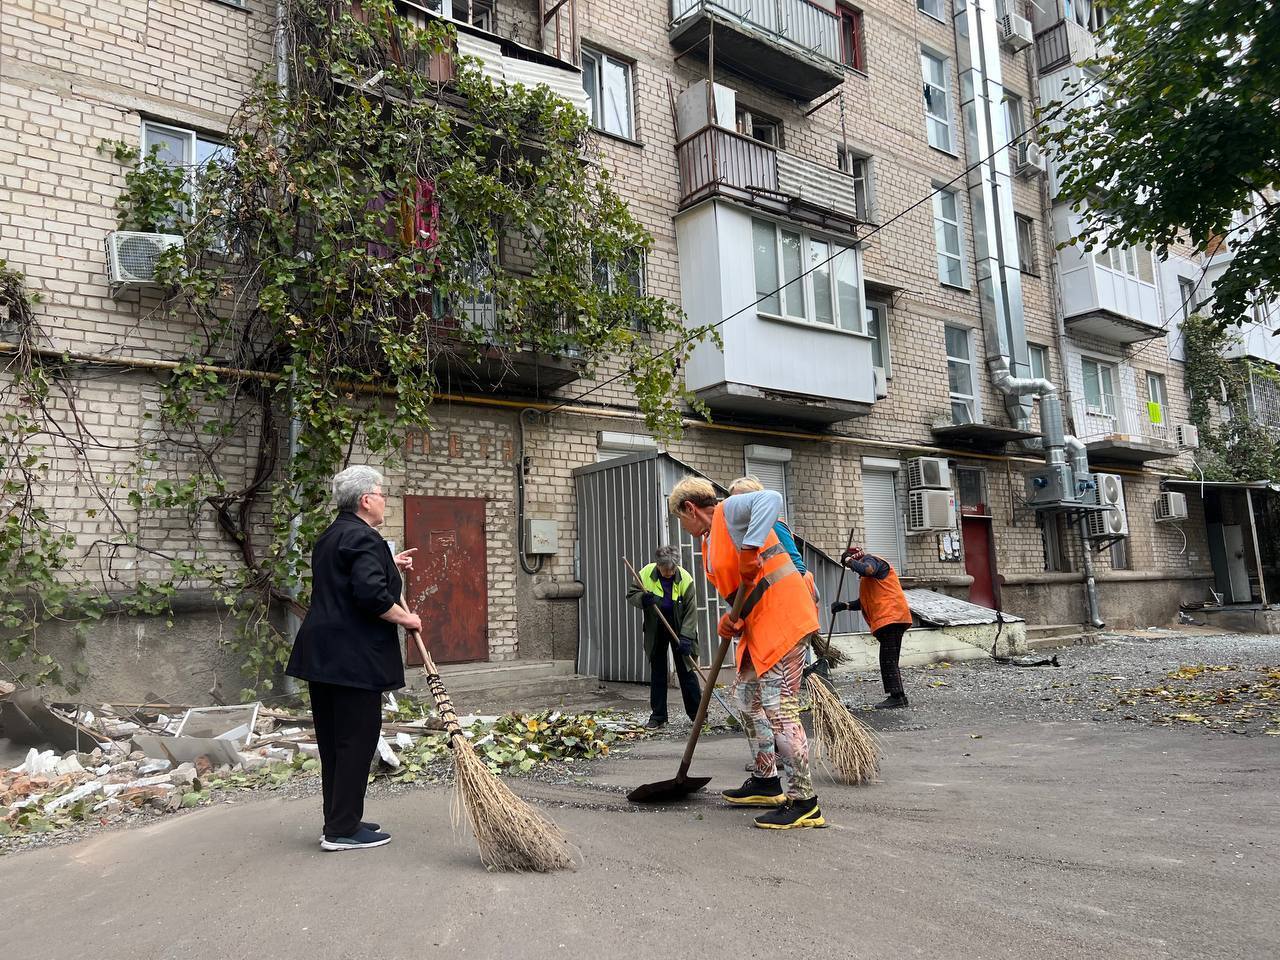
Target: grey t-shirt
(750, 517)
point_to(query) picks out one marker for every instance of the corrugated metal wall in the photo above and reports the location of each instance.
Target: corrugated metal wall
(622, 511)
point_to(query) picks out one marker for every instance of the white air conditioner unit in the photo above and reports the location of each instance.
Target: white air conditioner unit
(1015, 32)
(932, 473)
(929, 510)
(881, 383)
(132, 256)
(1188, 436)
(1171, 506)
(1030, 157)
(1113, 521)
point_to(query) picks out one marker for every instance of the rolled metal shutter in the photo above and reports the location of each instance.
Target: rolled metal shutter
(881, 517)
(772, 475)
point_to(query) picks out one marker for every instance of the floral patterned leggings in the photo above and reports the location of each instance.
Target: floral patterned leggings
(770, 712)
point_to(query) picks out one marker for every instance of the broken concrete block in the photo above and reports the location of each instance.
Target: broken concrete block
(68, 766)
(153, 766)
(79, 793)
(309, 750)
(109, 807)
(277, 753)
(184, 775)
(253, 761)
(403, 740)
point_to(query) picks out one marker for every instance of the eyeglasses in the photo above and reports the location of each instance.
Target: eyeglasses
(376, 493)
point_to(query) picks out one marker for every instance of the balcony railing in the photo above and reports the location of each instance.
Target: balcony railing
(1122, 419)
(1063, 43)
(716, 160)
(798, 22)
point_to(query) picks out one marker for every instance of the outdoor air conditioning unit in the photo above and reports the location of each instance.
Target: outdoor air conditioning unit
(1112, 522)
(1171, 506)
(1015, 32)
(932, 473)
(929, 510)
(1188, 437)
(1030, 157)
(132, 256)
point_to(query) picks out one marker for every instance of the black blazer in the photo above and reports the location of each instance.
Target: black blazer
(343, 639)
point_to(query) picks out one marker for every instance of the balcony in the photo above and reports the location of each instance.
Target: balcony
(1110, 295)
(717, 162)
(792, 46)
(805, 358)
(1124, 429)
(1065, 43)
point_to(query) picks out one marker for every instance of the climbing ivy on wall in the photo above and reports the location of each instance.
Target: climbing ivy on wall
(392, 210)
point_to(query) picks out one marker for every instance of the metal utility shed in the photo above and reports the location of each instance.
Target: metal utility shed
(622, 512)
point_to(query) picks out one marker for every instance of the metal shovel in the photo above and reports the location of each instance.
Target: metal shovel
(666, 791)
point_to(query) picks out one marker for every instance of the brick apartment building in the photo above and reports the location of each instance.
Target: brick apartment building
(754, 141)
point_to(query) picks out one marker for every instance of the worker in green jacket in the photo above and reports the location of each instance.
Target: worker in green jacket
(666, 590)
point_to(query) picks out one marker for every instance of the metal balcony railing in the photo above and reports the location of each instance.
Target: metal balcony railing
(715, 158)
(1116, 418)
(1053, 47)
(798, 22)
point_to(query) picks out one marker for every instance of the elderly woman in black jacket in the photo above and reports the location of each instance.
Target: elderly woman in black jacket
(348, 650)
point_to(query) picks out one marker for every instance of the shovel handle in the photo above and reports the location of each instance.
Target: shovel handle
(675, 637)
(716, 662)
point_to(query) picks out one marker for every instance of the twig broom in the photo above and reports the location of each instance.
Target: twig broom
(845, 746)
(510, 833)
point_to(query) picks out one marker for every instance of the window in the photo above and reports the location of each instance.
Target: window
(878, 331)
(607, 81)
(1039, 361)
(1134, 262)
(971, 487)
(1057, 559)
(1026, 243)
(852, 53)
(475, 12)
(1120, 559)
(1099, 386)
(1157, 399)
(946, 229)
(960, 376)
(178, 147)
(937, 99)
(769, 466)
(859, 168)
(932, 7)
(1187, 293)
(822, 282)
(1015, 125)
(759, 127)
(621, 277)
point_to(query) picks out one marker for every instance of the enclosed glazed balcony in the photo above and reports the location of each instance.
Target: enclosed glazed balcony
(795, 344)
(1109, 294)
(792, 46)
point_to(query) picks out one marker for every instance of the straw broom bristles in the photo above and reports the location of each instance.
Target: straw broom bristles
(510, 833)
(841, 742)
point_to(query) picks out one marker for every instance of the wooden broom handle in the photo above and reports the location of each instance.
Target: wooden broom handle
(675, 637)
(444, 703)
(717, 661)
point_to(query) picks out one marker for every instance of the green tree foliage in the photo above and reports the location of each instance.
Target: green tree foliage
(1182, 139)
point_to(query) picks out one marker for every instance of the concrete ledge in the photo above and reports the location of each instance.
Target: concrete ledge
(925, 645)
(1240, 620)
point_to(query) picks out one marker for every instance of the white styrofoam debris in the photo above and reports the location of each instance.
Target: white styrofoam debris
(387, 754)
(38, 763)
(71, 796)
(403, 740)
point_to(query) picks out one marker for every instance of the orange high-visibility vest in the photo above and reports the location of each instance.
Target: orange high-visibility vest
(779, 611)
(883, 601)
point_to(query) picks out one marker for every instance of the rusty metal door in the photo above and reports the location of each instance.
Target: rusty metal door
(448, 586)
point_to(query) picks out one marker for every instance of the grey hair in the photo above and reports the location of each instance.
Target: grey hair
(352, 484)
(667, 555)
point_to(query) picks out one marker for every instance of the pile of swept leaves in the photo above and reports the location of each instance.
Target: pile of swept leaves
(516, 743)
(1214, 696)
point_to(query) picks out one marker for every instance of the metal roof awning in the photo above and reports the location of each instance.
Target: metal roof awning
(1271, 485)
(980, 434)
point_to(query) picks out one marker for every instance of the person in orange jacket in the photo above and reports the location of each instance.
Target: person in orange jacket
(777, 623)
(883, 605)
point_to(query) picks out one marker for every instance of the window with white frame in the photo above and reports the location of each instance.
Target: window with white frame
(1039, 357)
(858, 167)
(475, 12)
(937, 99)
(621, 277)
(1157, 399)
(180, 147)
(960, 382)
(1133, 262)
(878, 331)
(950, 239)
(805, 278)
(933, 8)
(607, 81)
(1015, 124)
(758, 126)
(1099, 386)
(1187, 292)
(1026, 228)
(769, 466)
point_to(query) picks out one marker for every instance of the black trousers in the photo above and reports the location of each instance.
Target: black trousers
(348, 722)
(689, 689)
(890, 638)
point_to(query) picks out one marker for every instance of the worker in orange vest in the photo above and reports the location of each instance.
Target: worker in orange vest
(777, 623)
(884, 606)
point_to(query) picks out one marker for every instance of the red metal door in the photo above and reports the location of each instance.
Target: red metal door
(448, 586)
(979, 560)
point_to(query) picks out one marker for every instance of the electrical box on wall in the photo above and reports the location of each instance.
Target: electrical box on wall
(541, 537)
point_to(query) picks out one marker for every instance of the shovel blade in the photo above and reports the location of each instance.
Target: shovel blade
(667, 791)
